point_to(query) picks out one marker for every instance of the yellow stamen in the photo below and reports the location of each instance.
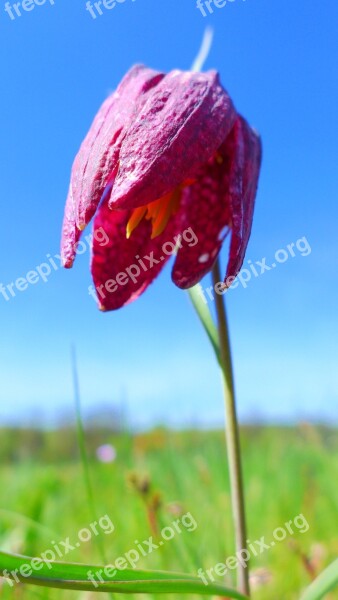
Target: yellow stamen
(135, 219)
(158, 212)
(169, 206)
(153, 209)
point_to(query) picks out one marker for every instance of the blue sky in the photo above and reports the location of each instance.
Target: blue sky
(277, 61)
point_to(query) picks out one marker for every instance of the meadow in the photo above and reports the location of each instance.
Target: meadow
(156, 479)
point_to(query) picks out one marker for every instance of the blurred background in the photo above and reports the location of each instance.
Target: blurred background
(148, 368)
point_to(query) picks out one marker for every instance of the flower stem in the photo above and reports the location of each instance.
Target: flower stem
(232, 434)
(204, 50)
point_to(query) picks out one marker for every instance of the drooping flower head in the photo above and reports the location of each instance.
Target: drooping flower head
(168, 166)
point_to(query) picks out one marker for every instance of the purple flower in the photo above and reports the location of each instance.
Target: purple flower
(164, 153)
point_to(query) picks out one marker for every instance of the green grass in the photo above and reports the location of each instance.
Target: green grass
(287, 472)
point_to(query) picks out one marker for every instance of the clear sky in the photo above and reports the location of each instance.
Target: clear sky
(277, 60)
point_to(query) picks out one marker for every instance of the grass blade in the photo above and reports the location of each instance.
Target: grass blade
(75, 577)
(325, 583)
(83, 451)
(14, 516)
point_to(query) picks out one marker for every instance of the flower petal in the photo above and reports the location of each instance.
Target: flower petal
(243, 189)
(221, 199)
(70, 233)
(122, 268)
(186, 118)
(96, 162)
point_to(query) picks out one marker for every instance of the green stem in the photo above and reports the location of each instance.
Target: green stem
(232, 433)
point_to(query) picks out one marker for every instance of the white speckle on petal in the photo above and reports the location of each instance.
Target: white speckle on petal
(204, 257)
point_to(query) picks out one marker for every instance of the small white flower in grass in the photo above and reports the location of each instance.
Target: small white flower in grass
(106, 453)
